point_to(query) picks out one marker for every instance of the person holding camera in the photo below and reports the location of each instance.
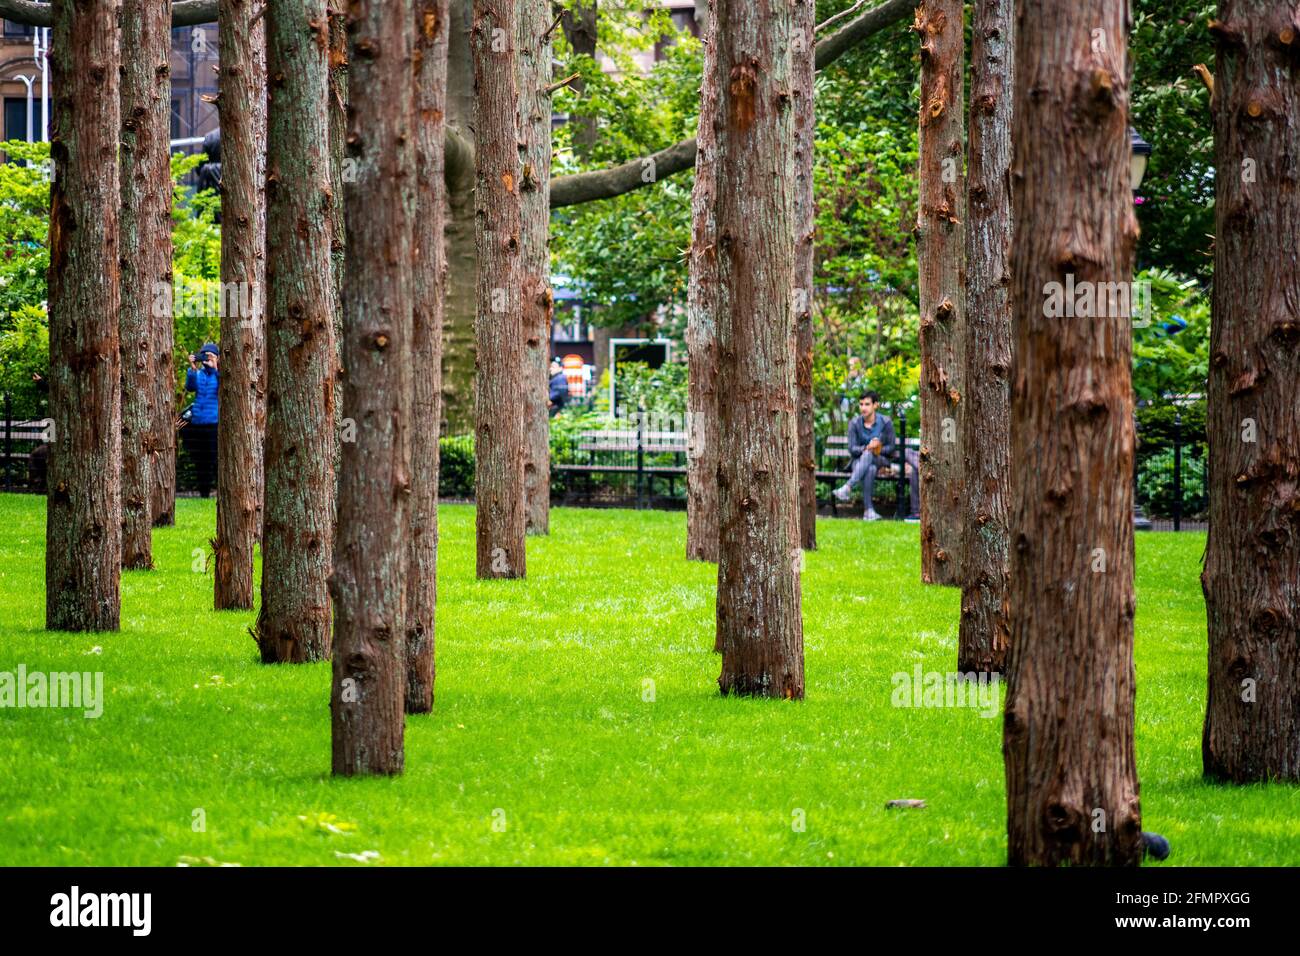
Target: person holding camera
(200, 435)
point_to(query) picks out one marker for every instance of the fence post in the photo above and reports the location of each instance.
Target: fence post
(902, 494)
(1178, 471)
(9, 440)
(640, 457)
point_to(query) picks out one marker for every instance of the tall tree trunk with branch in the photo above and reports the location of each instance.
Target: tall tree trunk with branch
(1072, 787)
(985, 443)
(759, 617)
(242, 102)
(83, 553)
(1252, 561)
(428, 292)
(371, 551)
(805, 211)
(701, 328)
(579, 23)
(535, 200)
(294, 620)
(940, 251)
(499, 411)
(145, 251)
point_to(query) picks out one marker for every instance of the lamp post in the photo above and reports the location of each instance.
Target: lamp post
(1140, 155)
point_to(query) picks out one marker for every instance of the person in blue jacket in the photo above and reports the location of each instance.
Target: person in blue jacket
(559, 388)
(200, 435)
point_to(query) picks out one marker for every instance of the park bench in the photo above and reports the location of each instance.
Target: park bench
(641, 454)
(19, 438)
(835, 466)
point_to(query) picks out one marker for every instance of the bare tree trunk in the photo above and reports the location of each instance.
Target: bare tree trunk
(242, 102)
(459, 348)
(340, 175)
(294, 619)
(1252, 561)
(805, 209)
(83, 550)
(428, 291)
(499, 412)
(579, 23)
(759, 616)
(535, 199)
(371, 551)
(145, 250)
(701, 328)
(982, 638)
(939, 254)
(1072, 787)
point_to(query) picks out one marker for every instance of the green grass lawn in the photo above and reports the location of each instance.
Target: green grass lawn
(541, 721)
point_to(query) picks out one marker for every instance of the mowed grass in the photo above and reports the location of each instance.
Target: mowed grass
(543, 748)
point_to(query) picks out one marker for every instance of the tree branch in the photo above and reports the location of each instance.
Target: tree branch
(579, 188)
(185, 13)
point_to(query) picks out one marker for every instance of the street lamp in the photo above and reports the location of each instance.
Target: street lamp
(1140, 156)
(1141, 150)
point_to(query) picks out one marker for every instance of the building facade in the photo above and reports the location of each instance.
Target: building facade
(193, 70)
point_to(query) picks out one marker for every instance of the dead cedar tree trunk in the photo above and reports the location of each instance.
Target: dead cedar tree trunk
(145, 250)
(534, 18)
(701, 328)
(293, 623)
(499, 404)
(429, 292)
(985, 445)
(1252, 561)
(371, 556)
(242, 102)
(1072, 787)
(940, 251)
(759, 619)
(805, 211)
(83, 552)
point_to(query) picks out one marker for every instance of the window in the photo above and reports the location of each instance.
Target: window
(17, 29)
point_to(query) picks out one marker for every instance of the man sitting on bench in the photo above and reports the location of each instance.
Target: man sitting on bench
(871, 447)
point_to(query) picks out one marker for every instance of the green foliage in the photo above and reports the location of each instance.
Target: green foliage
(1166, 361)
(24, 355)
(1171, 110)
(661, 392)
(456, 466)
(626, 255)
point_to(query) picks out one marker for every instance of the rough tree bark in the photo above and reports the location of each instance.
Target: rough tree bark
(805, 20)
(428, 290)
(1252, 562)
(499, 411)
(759, 619)
(83, 538)
(242, 104)
(371, 554)
(535, 208)
(340, 176)
(985, 446)
(940, 251)
(701, 328)
(145, 250)
(293, 622)
(1072, 788)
